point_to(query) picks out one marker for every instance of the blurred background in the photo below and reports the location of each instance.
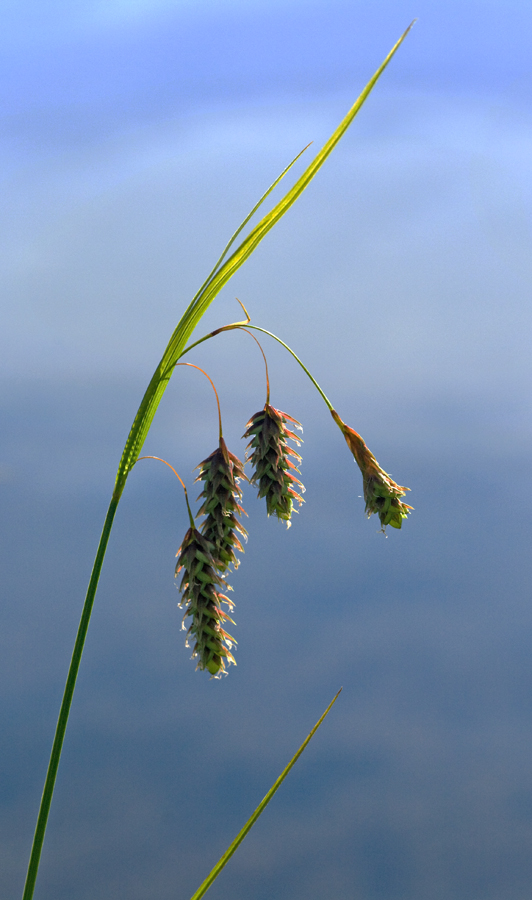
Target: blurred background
(137, 134)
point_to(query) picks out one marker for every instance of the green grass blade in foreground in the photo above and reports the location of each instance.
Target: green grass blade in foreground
(203, 888)
(212, 287)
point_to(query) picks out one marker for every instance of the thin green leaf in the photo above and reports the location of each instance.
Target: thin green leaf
(245, 222)
(247, 247)
(204, 887)
(206, 295)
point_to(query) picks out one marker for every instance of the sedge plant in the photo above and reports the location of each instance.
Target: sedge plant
(207, 551)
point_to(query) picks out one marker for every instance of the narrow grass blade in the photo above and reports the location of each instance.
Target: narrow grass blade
(247, 247)
(214, 284)
(245, 222)
(203, 888)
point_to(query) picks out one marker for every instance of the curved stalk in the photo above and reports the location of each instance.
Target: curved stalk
(192, 366)
(160, 459)
(278, 339)
(265, 361)
(239, 327)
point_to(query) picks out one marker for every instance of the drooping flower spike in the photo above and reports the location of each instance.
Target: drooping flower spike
(381, 493)
(201, 595)
(205, 555)
(200, 588)
(270, 458)
(221, 473)
(270, 452)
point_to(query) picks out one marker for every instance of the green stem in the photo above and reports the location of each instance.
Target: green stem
(65, 706)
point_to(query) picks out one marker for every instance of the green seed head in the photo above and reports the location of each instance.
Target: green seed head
(383, 497)
(221, 473)
(269, 454)
(381, 493)
(202, 599)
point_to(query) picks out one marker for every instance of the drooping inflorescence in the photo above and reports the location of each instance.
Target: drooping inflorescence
(208, 552)
(381, 493)
(206, 556)
(269, 456)
(221, 473)
(200, 588)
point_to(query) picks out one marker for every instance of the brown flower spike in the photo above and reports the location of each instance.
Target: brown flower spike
(221, 472)
(381, 493)
(270, 460)
(201, 595)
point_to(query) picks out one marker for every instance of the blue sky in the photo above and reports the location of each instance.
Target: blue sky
(136, 137)
(128, 126)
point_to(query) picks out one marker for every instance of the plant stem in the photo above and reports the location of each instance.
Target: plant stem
(65, 706)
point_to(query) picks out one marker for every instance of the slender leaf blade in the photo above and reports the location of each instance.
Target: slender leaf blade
(212, 287)
(247, 219)
(250, 243)
(213, 874)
